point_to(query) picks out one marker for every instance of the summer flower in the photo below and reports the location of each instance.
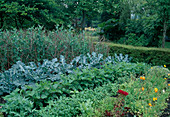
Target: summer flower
(142, 78)
(168, 84)
(123, 92)
(150, 104)
(154, 99)
(164, 65)
(168, 74)
(151, 67)
(165, 78)
(156, 90)
(143, 88)
(108, 113)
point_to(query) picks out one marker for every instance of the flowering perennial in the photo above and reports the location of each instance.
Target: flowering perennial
(156, 90)
(123, 92)
(154, 99)
(143, 88)
(142, 77)
(150, 104)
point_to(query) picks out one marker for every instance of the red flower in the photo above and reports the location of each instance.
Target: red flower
(107, 113)
(122, 114)
(123, 92)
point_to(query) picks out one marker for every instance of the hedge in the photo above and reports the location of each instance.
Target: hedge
(155, 56)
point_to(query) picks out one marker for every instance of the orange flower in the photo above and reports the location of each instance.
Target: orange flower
(142, 77)
(143, 88)
(156, 90)
(150, 104)
(154, 99)
(168, 84)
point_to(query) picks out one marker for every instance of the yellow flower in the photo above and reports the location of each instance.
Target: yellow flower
(151, 67)
(168, 74)
(154, 99)
(168, 84)
(165, 78)
(143, 88)
(150, 104)
(156, 90)
(142, 78)
(164, 65)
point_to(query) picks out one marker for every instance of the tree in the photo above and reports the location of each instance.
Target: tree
(160, 8)
(82, 9)
(27, 13)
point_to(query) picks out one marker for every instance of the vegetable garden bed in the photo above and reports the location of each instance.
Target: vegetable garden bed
(94, 87)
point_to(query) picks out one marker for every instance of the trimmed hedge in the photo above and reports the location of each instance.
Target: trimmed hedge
(155, 56)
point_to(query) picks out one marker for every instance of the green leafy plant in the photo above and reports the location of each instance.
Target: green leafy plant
(142, 54)
(148, 93)
(21, 74)
(78, 103)
(36, 44)
(132, 39)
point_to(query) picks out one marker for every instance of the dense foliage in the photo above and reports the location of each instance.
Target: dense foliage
(53, 61)
(138, 22)
(149, 94)
(20, 74)
(25, 14)
(93, 92)
(118, 19)
(34, 45)
(152, 56)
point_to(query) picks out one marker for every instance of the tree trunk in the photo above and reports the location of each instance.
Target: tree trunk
(16, 23)
(83, 20)
(2, 21)
(164, 34)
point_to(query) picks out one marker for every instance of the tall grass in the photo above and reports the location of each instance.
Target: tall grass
(35, 44)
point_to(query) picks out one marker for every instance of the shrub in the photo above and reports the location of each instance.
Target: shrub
(140, 32)
(111, 29)
(155, 56)
(131, 39)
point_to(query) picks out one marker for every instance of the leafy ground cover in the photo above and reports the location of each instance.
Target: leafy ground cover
(113, 89)
(21, 74)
